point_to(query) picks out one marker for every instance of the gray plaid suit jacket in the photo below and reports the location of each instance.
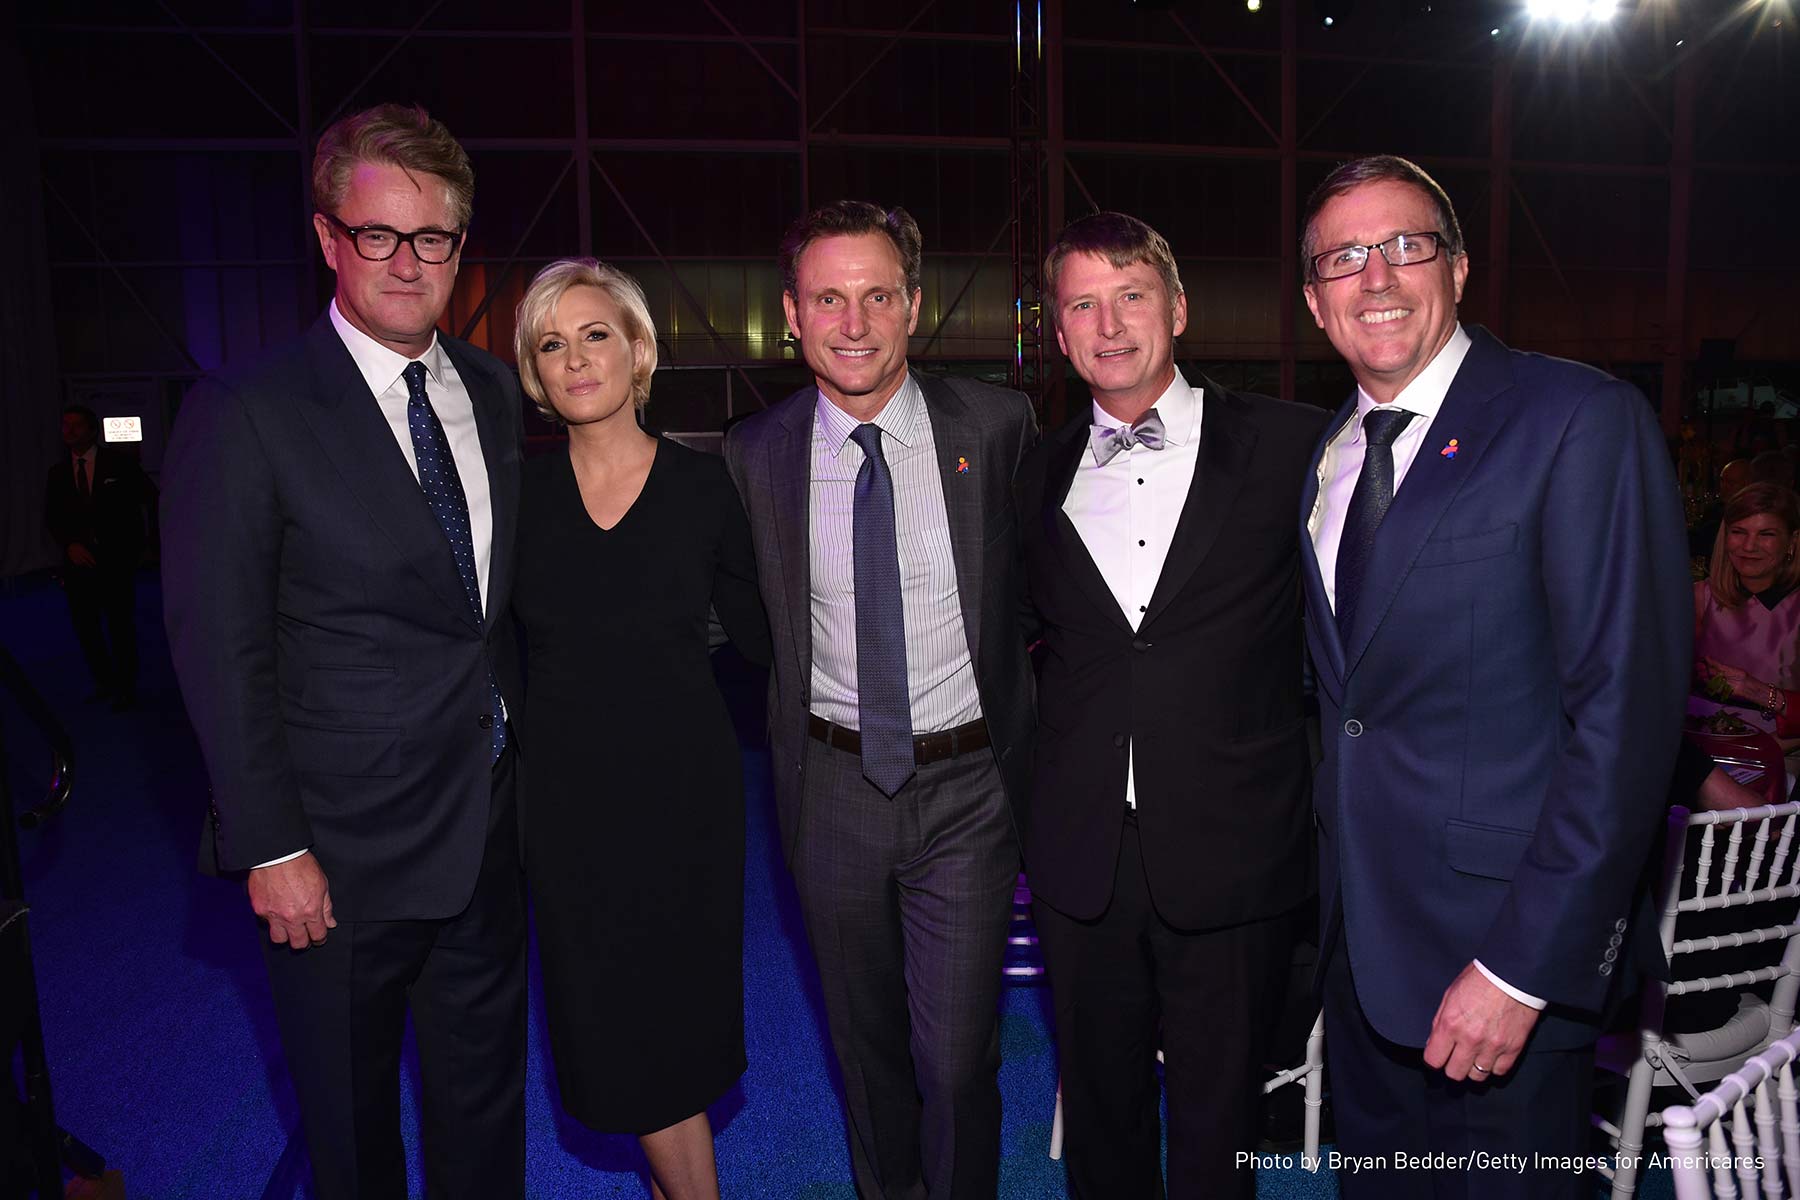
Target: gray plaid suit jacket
(769, 456)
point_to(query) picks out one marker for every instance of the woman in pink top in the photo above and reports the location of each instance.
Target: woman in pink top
(1747, 614)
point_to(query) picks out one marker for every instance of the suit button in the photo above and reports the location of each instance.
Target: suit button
(1139, 644)
(1353, 727)
(486, 721)
(1606, 968)
(1615, 940)
(1612, 954)
(1119, 740)
(1619, 925)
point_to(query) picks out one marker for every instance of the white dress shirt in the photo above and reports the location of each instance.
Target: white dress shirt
(1126, 511)
(1342, 462)
(382, 369)
(940, 677)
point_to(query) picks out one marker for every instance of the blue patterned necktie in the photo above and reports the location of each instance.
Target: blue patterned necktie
(1107, 440)
(444, 492)
(884, 703)
(1368, 504)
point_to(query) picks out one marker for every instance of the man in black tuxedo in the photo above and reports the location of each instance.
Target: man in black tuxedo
(96, 505)
(338, 554)
(1168, 840)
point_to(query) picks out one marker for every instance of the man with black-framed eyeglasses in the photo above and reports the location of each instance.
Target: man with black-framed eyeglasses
(1495, 570)
(338, 555)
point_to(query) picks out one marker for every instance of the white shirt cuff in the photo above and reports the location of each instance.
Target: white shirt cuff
(1525, 998)
(274, 862)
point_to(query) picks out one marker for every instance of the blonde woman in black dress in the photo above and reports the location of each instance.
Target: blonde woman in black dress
(634, 810)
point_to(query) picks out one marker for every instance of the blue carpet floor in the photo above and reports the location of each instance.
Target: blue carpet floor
(161, 1039)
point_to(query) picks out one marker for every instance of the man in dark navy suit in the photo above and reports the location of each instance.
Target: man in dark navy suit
(96, 504)
(338, 553)
(1499, 620)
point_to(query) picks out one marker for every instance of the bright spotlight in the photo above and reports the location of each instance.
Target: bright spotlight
(1253, 5)
(1329, 22)
(1571, 11)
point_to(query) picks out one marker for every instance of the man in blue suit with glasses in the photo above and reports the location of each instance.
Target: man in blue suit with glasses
(1499, 620)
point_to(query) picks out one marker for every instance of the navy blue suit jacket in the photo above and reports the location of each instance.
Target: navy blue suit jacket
(1500, 724)
(329, 658)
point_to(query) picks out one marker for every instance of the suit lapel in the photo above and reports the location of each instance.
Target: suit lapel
(1069, 444)
(1318, 609)
(347, 422)
(1431, 483)
(950, 433)
(1226, 441)
(790, 480)
(499, 447)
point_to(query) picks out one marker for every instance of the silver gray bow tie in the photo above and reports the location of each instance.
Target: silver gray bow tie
(1108, 440)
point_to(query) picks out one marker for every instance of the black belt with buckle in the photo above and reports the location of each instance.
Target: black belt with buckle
(927, 747)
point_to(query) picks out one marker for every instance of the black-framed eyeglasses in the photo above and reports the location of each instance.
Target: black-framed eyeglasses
(378, 243)
(1401, 250)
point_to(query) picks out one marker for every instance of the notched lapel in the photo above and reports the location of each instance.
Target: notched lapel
(1431, 484)
(790, 482)
(1226, 441)
(953, 436)
(348, 425)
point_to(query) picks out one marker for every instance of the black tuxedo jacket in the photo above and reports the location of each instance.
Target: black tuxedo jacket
(1207, 688)
(331, 665)
(110, 521)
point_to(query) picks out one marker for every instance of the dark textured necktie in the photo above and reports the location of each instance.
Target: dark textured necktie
(81, 479)
(1368, 504)
(444, 492)
(883, 702)
(1109, 440)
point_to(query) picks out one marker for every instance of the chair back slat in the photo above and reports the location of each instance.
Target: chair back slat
(1734, 842)
(1782, 845)
(1758, 847)
(1790, 1129)
(1724, 1181)
(1703, 869)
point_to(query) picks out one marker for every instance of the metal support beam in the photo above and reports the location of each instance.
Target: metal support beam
(584, 192)
(100, 254)
(512, 258)
(1228, 81)
(871, 64)
(675, 279)
(750, 49)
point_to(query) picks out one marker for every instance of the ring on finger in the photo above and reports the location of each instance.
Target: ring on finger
(1479, 1067)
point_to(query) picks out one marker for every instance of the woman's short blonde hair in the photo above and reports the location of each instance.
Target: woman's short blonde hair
(540, 299)
(1759, 498)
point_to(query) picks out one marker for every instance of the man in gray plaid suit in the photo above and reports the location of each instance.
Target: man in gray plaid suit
(900, 706)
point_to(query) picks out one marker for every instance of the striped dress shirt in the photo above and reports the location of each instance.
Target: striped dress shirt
(940, 677)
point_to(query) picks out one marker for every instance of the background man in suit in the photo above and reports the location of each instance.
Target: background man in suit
(338, 554)
(1169, 834)
(900, 704)
(1501, 662)
(97, 506)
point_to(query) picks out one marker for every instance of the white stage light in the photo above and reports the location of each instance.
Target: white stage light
(1253, 5)
(1571, 11)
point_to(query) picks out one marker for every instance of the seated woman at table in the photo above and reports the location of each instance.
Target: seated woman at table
(634, 806)
(1747, 616)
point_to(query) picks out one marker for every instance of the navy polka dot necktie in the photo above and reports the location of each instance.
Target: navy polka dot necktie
(444, 492)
